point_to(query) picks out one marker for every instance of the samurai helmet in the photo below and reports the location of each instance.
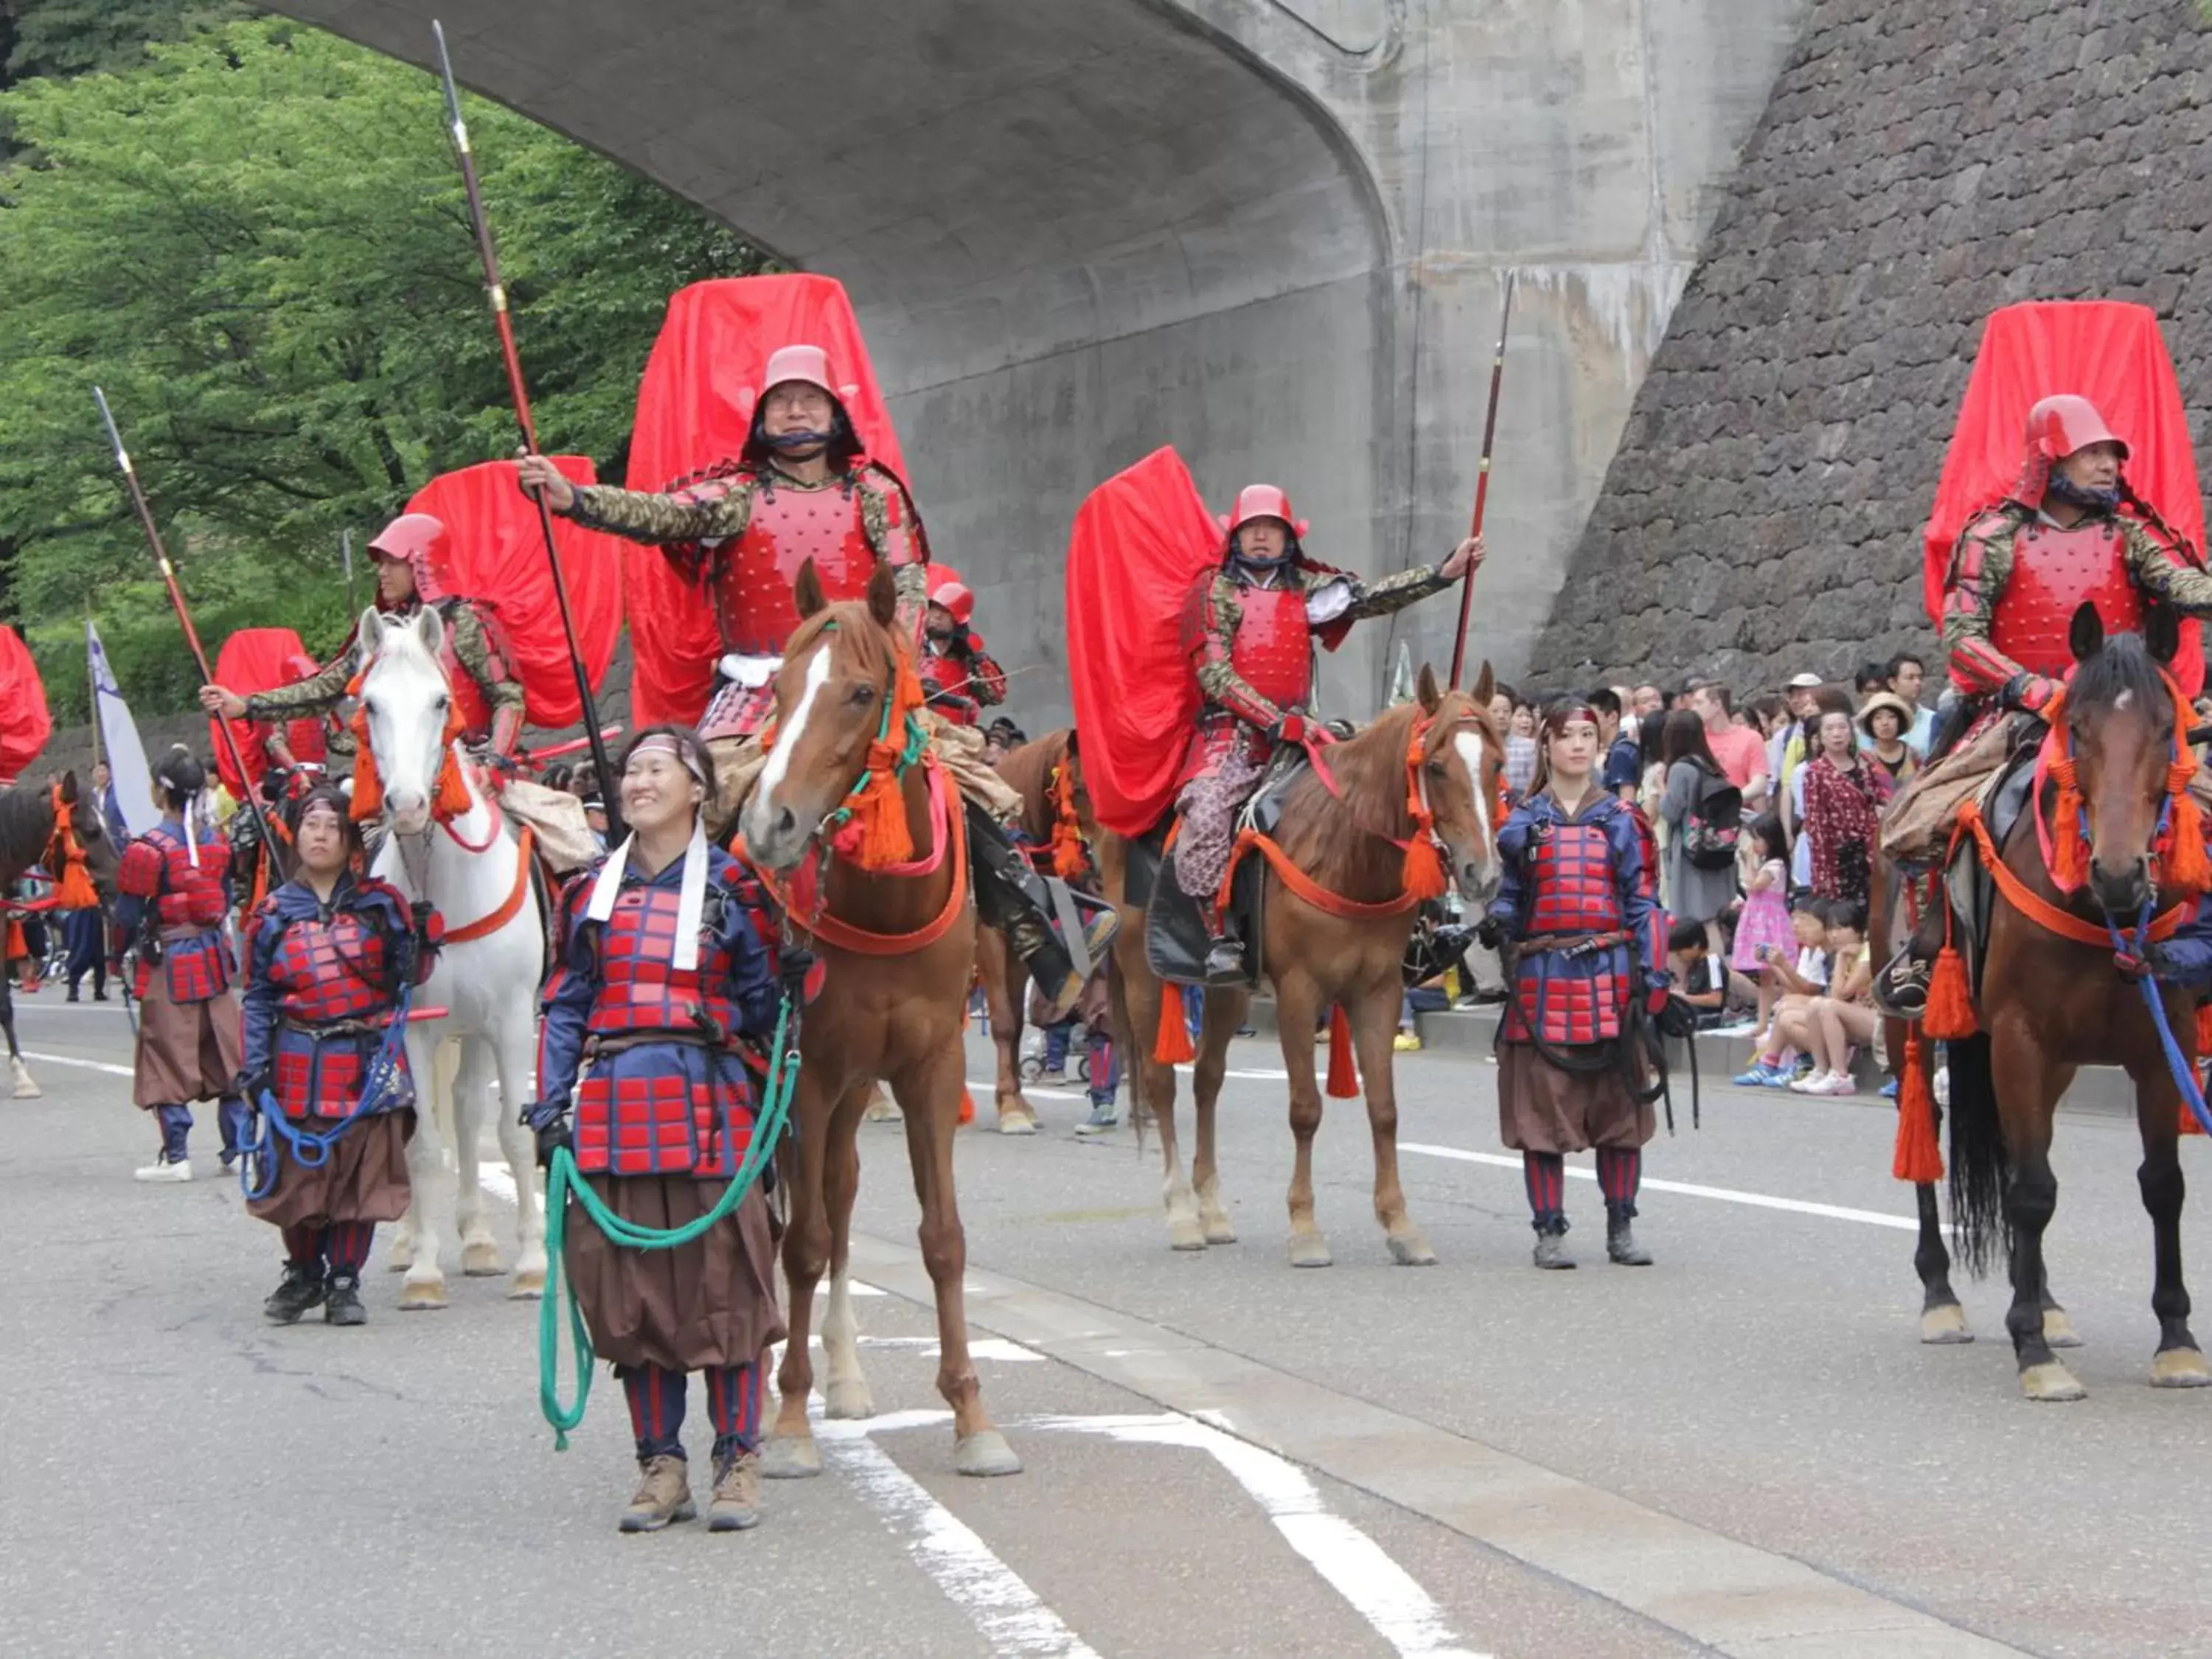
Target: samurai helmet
(1263, 502)
(422, 543)
(2056, 427)
(955, 598)
(804, 365)
(809, 365)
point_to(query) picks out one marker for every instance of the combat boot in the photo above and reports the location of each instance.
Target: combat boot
(301, 1290)
(1551, 1245)
(343, 1304)
(736, 1507)
(664, 1494)
(1621, 1245)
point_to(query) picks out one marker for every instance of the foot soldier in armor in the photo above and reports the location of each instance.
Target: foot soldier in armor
(658, 970)
(175, 892)
(802, 489)
(1249, 628)
(2071, 531)
(1585, 940)
(327, 956)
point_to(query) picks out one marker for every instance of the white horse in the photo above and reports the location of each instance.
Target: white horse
(473, 868)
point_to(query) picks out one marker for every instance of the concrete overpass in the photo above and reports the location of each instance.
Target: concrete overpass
(1270, 232)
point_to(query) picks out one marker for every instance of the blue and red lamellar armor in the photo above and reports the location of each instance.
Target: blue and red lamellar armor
(323, 989)
(665, 1092)
(1570, 879)
(162, 892)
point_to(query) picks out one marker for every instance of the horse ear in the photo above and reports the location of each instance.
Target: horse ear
(1485, 686)
(1424, 687)
(2085, 635)
(806, 593)
(430, 629)
(883, 593)
(2163, 633)
(1073, 750)
(370, 630)
(69, 788)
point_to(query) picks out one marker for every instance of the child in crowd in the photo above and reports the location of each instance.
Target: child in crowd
(1829, 1027)
(1699, 978)
(1764, 921)
(1797, 986)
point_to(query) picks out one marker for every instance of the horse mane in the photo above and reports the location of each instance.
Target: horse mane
(2125, 665)
(1369, 768)
(1026, 770)
(851, 618)
(26, 823)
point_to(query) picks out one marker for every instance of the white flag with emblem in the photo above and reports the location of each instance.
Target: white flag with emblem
(127, 770)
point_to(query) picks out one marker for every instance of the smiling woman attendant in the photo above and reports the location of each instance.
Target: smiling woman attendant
(658, 971)
(1585, 935)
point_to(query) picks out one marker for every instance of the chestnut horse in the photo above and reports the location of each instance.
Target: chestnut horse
(48, 827)
(1341, 940)
(1048, 776)
(859, 836)
(2053, 999)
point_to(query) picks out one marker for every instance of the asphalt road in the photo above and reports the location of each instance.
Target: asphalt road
(1741, 1449)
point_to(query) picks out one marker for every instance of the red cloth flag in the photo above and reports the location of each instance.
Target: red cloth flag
(25, 723)
(257, 659)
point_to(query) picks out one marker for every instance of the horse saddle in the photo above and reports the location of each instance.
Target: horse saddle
(1175, 923)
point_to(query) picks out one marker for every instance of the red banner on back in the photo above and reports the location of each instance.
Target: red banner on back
(258, 659)
(2106, 350)
(694, 407)
(25, 723)
(499, 559)
(1141, 541)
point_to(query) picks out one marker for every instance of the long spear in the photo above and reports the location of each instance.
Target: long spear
(252, 802)
(520, 393)
(1482, 477)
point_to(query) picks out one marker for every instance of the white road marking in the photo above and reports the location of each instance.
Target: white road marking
(88, 1065)
(1380, 1591)
(1687, 1189)
(979, 1347)
(995, 1598)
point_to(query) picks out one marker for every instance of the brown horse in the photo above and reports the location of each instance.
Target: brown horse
(1048, 776)
(2052, 999)
(38, 827)
(1340, 941)
(889, 914)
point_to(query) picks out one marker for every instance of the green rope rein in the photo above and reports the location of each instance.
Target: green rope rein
(563, 1182)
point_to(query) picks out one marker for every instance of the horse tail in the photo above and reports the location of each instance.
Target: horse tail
(1135, 1051)
(1980, 1168)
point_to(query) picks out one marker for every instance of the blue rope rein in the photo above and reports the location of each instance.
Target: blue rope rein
(384, 1080)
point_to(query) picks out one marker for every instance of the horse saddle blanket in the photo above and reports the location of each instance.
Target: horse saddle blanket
(1175, 926)
(1971, 891)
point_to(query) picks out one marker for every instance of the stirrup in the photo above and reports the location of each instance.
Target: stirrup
(1224, 960)
(1899, 990)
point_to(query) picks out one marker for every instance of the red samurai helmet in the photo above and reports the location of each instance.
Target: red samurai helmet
(2056, 427)
(955, 597)
(421, 542)
(1260, 500)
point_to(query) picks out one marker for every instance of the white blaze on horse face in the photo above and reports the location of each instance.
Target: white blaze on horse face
(406, 697)
(1486, 871)
(786, 740)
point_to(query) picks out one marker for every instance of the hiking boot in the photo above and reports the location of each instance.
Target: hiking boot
(1104, 1115)
(342, 1305)
(1225, 961)
(1621, 1245)
(664, 1494)
(736, 1507)
(1552, 1248)
(1900, 989)
(301, 1289)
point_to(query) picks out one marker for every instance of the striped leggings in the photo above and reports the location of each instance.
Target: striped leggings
(1619, 1173)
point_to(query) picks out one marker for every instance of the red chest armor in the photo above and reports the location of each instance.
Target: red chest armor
(947, 676)
(753, 603)
(186, 896)
(2053, 572)
(1273, 649)
(640, 989)
(1575, 889)
(325, 972)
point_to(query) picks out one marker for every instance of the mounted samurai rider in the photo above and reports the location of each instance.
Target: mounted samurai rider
(2071, 531)
(1249, 628)
(802, 489)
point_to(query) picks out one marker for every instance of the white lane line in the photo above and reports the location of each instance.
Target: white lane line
(1688, 1189)
(979, 1347)
(1380, 1591)
(967, 1572)
(975, 1083)
(88, 1065)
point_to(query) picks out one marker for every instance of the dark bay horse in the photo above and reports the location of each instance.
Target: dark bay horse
(2054, 997)
(861, 838)
(37, 827)
(1047, 775)
(1336, 934)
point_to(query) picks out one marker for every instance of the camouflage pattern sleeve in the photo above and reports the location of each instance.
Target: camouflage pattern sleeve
(1378, 598)
(2161, 573)
(318, 694)
(1981, 565)
(1211, 616)
(502, 692)
(987, 681)
(689, 515)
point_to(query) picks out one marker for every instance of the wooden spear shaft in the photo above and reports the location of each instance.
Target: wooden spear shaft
(1482, 477)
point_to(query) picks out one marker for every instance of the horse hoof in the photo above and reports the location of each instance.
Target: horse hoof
(1310, 1250)
(481, 1262)
(2050, 1383)
(789, 1457)
(22, 1086)
(849, 1401)
(986, 1453)
(1219, 1230)
(421, 1295)
(1016, 1120)
(1185, 1233)
(400, 1258)
(883, 1110)
(2180, 1368)
(1945, 1327)
(527, 1284)
(2058, 1330)
(1410, 1249)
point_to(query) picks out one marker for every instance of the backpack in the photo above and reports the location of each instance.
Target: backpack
(1712, 827)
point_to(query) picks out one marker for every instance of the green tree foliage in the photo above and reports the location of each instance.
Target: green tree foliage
(257, 243)
(60, 38)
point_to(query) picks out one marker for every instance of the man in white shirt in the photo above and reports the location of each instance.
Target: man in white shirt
(1906, 674)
